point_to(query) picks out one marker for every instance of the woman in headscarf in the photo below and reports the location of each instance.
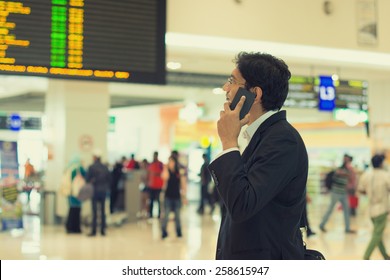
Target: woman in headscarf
(75, 170)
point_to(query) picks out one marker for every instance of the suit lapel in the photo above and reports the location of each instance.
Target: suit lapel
(259, 132)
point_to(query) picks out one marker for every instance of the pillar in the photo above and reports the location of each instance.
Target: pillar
(379, 116)
(75, 122)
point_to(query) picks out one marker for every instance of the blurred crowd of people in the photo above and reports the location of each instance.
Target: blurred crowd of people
(163, 190)
(345, 187)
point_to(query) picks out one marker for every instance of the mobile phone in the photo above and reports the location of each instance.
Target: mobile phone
(249, 99)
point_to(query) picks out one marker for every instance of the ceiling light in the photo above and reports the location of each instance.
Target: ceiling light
(173, 65)
(218, 91)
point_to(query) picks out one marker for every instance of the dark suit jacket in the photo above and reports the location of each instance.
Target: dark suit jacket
(263, 194)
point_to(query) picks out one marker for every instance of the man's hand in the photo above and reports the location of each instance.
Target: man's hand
(229, 124)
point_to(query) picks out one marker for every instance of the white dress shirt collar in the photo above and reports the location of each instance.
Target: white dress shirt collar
(251, 129)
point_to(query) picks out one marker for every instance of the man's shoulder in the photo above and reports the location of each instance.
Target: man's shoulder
(98, 166)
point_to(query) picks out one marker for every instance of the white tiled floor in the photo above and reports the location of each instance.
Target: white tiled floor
(141, 240)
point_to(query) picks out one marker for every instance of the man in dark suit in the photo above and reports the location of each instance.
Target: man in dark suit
(262, 191)
(99, 176)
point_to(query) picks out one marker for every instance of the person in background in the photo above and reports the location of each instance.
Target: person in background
(155, 183)
(173, 193)
(183, 173)
(99, 176)
(262, 191)
(376, 185)
(339, 193)
(132, 163)
(205, 179)
(29, 170)
(29, 173)
(116, 177)
(144, 203)
(351, 185)
(175, 154)
(73, 220)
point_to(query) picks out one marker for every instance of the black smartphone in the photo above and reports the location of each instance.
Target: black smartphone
(249, 99)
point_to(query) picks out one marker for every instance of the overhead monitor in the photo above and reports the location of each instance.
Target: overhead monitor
(352, 94)
(121, 40)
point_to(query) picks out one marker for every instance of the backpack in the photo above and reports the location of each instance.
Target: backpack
(329, 179)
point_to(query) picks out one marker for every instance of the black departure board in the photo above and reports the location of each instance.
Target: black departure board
(352, 94)
(301, 93)
(108, 40)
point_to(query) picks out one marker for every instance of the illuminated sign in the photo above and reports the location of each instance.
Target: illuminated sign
(351, 117)
(121, 40)
(15, 122)
(326, 94)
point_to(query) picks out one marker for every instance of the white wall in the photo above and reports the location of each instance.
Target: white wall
(137, 130)
(288, 21)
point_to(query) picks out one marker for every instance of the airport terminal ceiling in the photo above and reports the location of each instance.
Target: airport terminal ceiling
(28, 93)
(207, 55)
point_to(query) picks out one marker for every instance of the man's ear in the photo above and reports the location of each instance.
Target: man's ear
(259, 94)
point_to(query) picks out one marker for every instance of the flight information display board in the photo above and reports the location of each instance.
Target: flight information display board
(108, 40)
(302, 93)
(349, 94)
(352, 94)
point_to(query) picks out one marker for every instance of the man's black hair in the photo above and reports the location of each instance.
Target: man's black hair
(269, 73)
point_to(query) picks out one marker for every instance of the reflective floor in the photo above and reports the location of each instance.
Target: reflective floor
(142, 239)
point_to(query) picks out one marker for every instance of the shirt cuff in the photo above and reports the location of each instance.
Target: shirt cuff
(225, 152)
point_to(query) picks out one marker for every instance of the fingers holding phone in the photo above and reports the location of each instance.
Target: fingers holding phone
(236, 112)
(243, 114)
(243, 106)
(234, 116)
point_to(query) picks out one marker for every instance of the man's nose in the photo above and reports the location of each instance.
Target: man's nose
(225, 86)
